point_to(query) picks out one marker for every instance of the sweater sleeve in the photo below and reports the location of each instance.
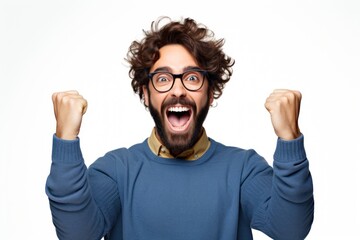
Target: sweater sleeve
(80, 209)
(279, 201)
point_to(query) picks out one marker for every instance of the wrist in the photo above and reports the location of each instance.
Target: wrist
(65, 135)
(290, 135)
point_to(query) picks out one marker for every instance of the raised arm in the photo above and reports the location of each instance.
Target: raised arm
(78, 211)
(281, 199)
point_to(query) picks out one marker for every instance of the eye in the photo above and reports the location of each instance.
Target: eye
(162, 78)
(192, 77)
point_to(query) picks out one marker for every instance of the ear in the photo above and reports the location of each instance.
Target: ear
(146, 95)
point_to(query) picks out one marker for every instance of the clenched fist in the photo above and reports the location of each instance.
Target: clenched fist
(69, 107)
(284, 108)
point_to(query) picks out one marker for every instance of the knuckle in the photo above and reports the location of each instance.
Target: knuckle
(291, 96)
(57, 96)
(285, 98)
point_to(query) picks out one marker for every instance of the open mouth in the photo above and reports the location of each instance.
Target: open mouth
(179, 117)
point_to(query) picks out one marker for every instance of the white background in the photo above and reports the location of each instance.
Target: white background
(47, 46)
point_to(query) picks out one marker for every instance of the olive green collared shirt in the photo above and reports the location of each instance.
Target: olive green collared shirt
(193, 153)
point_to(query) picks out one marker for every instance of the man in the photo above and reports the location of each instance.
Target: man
(178, 183)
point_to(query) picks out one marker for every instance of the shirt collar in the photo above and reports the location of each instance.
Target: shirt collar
(193, 153)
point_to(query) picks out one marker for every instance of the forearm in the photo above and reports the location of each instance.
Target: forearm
(75, 214)
(286, 211)
(292, 179)
(293, 201)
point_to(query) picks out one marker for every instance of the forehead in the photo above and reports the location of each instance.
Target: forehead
(174, 57)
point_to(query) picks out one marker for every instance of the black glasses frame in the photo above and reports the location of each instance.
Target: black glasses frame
(175, 76)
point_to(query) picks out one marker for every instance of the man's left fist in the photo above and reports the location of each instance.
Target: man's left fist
(284, 108)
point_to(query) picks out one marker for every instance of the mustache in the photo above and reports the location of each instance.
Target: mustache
(178, 100)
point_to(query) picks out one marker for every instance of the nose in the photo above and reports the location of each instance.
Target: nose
(178, 90)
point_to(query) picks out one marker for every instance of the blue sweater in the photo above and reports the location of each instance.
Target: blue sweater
(134, 194)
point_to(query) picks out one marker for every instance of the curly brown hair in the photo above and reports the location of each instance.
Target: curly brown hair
(196, 38)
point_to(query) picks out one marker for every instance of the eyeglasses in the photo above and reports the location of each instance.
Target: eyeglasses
(192, 80)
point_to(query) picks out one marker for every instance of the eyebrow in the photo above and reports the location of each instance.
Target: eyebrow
(168, 69)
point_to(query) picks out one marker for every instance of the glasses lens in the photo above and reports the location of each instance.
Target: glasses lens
(162, 81)
(193, 80)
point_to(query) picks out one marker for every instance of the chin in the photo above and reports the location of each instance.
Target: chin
(180, 141)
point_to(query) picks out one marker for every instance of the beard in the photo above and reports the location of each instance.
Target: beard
(179, 142)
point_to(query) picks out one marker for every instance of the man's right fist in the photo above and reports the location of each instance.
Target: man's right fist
(69, 107)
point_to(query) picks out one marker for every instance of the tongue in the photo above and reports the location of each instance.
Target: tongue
(178, 121)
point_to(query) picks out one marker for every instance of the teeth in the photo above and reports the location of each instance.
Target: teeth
(179, 109)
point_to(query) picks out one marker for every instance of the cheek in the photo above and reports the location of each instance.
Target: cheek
(201, 101)
(156, 100)
(155, 103)
(153, 97)
(207, 96)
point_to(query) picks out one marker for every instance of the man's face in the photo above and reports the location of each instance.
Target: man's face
(178, 113)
